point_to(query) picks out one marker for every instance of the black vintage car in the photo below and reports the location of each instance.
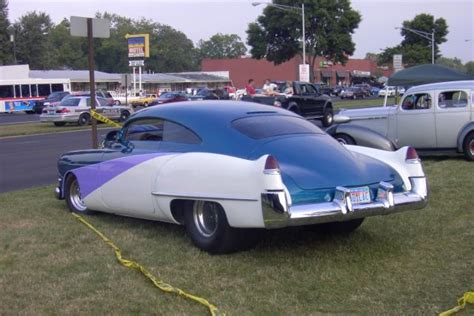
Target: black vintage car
(52, 98)
(306, 100)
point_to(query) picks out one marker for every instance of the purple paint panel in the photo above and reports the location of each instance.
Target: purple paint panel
(92, 177)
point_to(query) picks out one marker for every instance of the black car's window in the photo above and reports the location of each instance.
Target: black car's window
(310, 89)
(160, 130)
(70, 102)
(167, 95)
(259, 127)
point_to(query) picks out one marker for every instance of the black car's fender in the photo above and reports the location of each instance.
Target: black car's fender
(362, 136)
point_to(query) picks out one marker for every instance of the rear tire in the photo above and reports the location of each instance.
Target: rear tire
(73, 197)
(328, 117)
(468, 146)
(207, 226)
(84, 119)
(124, 116)
(345, 139)
(59, 123)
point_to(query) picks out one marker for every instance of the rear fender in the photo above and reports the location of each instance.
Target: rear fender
(469, 127)
(235, 183)
(362, 136)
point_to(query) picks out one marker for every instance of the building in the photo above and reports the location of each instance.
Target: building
(242, 69)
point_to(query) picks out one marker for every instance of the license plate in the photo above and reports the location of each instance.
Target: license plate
(360, 195)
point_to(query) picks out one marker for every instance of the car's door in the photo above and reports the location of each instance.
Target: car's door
(416, 121)
(452, 113)
(107, 109)
(314, 103)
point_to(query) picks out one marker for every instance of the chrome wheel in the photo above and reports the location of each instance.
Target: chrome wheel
(75, 197)
(471, 147)
(205, 216)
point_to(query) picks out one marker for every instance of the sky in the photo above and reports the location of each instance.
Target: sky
(200, 19)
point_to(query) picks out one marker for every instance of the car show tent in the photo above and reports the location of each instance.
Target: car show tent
(422, 74)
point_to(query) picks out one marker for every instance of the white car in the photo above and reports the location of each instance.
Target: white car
(391, 91)
(437, 116)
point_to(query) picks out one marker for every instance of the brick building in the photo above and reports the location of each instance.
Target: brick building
(242, 69)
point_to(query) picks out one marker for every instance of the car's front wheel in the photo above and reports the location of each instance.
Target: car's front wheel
(73, 196)
(345, 139)
(206, 224)
(469, 146)
(124, 116)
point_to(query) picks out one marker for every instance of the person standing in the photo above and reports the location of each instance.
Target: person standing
(250, 89)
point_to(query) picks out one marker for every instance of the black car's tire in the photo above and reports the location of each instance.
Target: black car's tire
(468, 146)
(59, 123)
(124, 116)
(346, 227)
(295, 109)
(72, 195)
(207, 226)
(84, 119)
(345, 139)
(328, 117)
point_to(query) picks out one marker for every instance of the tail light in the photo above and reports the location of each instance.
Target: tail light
(64, 110)
(412, 155)
(271, 166)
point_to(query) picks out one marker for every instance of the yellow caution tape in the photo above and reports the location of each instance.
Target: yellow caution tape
(105, 120)
(468, 297)
(134, 265)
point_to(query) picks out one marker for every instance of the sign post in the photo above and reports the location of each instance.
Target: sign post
(304, 72)
(397, 63)
(90, 28)
(138, 46)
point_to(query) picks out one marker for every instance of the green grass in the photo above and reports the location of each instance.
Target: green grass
(361, 103)
(38, 128)
(412, 263)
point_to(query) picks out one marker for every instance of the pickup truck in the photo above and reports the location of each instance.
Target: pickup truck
(306, 100)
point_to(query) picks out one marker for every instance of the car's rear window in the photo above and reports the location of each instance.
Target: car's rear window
(259, 127)
(70, 102)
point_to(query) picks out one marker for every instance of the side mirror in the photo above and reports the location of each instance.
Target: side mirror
(110, 138)
(341, 119)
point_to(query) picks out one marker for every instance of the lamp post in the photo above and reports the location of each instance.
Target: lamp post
(12, 39)
(429, 36)
(288, 8)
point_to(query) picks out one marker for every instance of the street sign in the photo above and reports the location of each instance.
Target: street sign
(138, 45)
(100, 27)
(397, 62)
(304, 72)
(136, 63)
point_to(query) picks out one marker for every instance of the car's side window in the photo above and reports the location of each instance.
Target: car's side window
(102, 102)
(452, 99)
(160, 130)
(310, 89)
(419, 101)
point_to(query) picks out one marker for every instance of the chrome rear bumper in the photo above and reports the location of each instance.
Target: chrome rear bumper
(276, 212)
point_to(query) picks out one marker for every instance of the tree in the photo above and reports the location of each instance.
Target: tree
(6, 53)
(470, 68)
(222, 46)
(415, 48)
(454, 63)
(33, 43)
(328, 30)
(71, 51)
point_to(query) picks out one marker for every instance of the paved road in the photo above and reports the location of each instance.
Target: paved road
(30, 161)
(14, 118)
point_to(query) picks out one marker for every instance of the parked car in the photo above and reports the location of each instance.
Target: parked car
(224, 169)
(374, 90)
(52, 98)
(144, 101)
(99, 93)
(352, 93)
(337, 90)
(323, 88)
(438, 116)
(169, 97)
(306, 100)
(75, 109)
(209, 94)
(391, 91)
(365, 87)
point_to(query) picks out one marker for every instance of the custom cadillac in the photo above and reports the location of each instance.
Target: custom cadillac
(226, 169)
(430, 117)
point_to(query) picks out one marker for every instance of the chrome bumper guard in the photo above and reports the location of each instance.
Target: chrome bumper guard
(276, 212)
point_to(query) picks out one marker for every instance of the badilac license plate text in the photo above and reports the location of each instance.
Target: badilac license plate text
(360, 195)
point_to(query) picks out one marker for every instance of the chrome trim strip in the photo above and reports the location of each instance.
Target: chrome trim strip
(203, 197)
(276, 213)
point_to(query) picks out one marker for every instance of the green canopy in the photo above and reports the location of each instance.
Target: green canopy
(422, 74)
